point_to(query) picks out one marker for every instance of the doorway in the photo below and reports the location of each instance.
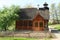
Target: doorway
(38, 26)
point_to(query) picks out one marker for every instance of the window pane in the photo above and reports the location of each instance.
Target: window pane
(41, 24)
(30, 23)
(20, 23)
(36, 24)
(25, 23)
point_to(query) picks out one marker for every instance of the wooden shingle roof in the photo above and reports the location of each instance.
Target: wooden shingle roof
(30, 13)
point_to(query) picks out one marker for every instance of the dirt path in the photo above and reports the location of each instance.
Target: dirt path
(56, 33)
(57, 36)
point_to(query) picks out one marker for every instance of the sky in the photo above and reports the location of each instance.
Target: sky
(23, 3)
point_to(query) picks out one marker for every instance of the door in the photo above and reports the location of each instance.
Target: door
(38, 26)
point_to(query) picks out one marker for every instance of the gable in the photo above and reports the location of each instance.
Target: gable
(38, 17)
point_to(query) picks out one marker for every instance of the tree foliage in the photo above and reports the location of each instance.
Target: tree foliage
(8, 16)
(55, 13)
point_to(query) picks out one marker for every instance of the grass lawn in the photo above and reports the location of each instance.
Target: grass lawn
(20, 38)
(16, 38)
(56, 26)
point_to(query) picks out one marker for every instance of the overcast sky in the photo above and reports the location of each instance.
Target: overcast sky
(22, 3)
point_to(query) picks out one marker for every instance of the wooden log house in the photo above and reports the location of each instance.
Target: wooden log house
(33, 19)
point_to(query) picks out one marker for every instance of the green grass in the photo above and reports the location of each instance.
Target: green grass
(21, 38)
(16, 38)
(56, 26)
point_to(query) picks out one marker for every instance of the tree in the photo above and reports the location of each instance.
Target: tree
(8, 16)
(55, 12)
(52, 11)
(58, 11)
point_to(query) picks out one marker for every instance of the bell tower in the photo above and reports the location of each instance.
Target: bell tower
(46, 6)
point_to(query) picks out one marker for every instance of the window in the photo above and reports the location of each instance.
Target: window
(30, 23)
(25, 23)
(36, 24)
(41, 24)
(20, 23)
